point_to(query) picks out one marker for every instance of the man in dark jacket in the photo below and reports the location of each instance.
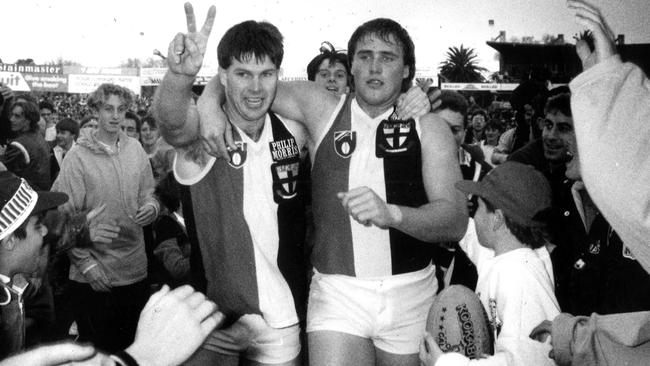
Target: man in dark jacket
(28, 155)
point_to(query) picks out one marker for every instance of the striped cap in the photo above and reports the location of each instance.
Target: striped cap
(18, 201)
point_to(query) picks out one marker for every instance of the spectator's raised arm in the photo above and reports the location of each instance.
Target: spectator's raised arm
(610, 103)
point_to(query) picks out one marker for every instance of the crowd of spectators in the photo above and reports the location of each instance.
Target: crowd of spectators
(75, 106)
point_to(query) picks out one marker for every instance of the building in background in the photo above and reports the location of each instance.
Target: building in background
(556, 60)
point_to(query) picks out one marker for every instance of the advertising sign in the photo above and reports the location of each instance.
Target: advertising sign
(14, 80)
(47, 82)
(38, 69)
(87, 83)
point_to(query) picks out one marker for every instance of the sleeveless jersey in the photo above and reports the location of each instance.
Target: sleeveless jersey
(355, 151)
(249, 219)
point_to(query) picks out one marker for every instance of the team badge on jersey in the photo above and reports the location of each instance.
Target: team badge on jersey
(345, 142)
(394, 137)
(285, 179)
(238, 155)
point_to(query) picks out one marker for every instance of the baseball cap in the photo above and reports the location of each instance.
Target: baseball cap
(18, 201)
(520, 191)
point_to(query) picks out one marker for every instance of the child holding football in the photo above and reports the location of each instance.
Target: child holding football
(515, 282)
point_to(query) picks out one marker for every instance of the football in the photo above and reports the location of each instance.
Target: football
(458, 322)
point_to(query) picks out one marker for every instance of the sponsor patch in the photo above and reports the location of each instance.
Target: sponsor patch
(284, 149)
(345, 142)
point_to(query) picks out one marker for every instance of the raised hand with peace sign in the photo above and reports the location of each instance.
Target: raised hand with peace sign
(186, 50)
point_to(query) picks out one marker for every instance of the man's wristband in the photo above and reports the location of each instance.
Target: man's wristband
(124, 359)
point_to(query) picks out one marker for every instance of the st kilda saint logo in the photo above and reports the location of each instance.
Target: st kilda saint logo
(285, 179)
(238, 155)
(344, 143)
(395, 137)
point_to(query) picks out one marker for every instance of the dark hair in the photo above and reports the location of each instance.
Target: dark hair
(332, 56)
(86, 120)
(21, 231)
(559, 103)
(148, 119)
(455, 102)
(26, 96)
(534, 237)
(131, 115)
(481, 112)
(250, 39)
(494, 124)
(68, 124)
(168, 192)
(46, 105)
(97, 98)
(384, 28)
(141, 113)
(30, 112)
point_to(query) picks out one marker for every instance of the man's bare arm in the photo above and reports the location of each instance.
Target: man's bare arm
(173, 104)
(175, 111)
(444, 218)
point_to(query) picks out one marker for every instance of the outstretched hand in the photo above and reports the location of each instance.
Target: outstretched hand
(172, 325)
(66, 353)
(186, 51)
(590, 16)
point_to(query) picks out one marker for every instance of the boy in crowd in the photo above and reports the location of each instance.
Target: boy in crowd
(514, 281)
(28, 155)
(107, 167)
(67, 131)
(21, 251)
(330, 69)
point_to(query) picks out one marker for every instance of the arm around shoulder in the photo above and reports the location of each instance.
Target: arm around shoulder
(305, 102)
